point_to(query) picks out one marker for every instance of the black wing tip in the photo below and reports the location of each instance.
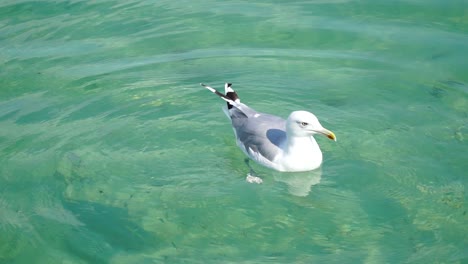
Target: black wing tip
(231, 94)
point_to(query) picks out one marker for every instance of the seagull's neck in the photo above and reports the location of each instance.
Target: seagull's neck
(301, 153)
(300, 144)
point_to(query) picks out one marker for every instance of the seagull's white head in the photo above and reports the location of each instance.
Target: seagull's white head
(306, 124)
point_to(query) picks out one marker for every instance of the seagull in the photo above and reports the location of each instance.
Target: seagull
(283, 145)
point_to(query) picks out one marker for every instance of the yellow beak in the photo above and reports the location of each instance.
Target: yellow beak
(327, 133)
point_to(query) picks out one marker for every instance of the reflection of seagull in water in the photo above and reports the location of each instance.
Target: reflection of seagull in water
(299, 183)
(283, 145)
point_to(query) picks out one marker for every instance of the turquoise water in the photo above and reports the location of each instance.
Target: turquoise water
(111, 152)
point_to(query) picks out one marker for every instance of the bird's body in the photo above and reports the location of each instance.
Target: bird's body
(283, 145)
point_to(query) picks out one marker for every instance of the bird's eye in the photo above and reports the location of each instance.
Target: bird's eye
(304, 124)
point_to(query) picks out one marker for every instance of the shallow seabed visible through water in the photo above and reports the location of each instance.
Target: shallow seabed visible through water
(111, 152)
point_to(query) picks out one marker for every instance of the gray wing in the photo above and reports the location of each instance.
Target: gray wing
(263, 133)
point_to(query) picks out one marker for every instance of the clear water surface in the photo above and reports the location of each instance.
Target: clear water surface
(112, 153)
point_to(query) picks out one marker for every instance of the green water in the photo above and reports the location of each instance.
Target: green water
(112, 153)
